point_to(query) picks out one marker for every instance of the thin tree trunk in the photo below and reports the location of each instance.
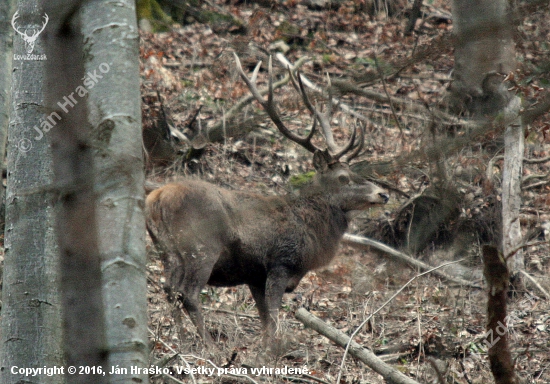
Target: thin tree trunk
(7, 9)
(497, 277)
(31, 311)
(484, 53)
(112, 62)
(511, 192)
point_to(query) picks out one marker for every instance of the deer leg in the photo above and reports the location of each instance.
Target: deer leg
(191, 303)
(174, 280)
(190, 289)
(275, 287)
(258, 293)
(198, 267)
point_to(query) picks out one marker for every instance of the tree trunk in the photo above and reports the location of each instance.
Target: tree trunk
(83, 322)
(496, 339)
(511, 192)
(111, 55)
(31, 311)
(485, 52)
(7, 9)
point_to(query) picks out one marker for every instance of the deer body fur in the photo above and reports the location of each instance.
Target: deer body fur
(214, 236)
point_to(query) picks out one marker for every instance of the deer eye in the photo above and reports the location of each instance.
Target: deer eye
(343, 179)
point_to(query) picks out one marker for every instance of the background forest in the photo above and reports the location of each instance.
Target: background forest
(393, 68)
(452, 102)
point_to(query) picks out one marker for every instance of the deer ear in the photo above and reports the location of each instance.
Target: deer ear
(321, 161)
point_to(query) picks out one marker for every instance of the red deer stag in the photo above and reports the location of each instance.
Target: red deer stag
(210, 235)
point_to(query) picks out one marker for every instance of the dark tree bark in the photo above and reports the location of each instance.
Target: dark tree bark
(497, 277)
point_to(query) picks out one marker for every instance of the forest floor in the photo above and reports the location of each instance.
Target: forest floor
(431, 321)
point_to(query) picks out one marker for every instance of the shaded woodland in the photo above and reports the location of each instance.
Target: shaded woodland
(443, 171)
(447, 110)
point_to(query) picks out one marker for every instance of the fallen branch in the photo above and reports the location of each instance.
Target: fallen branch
(390, 374)
(535, 185)
(348, 345)
(365, 242)
(536, 284)
(537, 160)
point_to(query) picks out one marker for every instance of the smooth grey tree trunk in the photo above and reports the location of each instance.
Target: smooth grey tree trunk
(31, 311)
(111, 59)
(484, 54)
(7, 9)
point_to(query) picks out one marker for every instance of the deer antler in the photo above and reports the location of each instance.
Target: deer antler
(333, 151)
(270, 108)
(324, 120)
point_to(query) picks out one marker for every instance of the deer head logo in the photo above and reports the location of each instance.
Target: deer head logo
(29, 39)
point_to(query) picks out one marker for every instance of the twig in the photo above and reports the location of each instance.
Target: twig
(528, 161)
(240, 314)
(173, 351)
(535, 185)
(521, 246)
(533, 176)
(392, 107)
(390, 374)
(490, 165)
(348, 87)
(537, 161)
(357, 329)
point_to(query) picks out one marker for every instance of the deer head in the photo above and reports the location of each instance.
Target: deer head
(331, 162)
